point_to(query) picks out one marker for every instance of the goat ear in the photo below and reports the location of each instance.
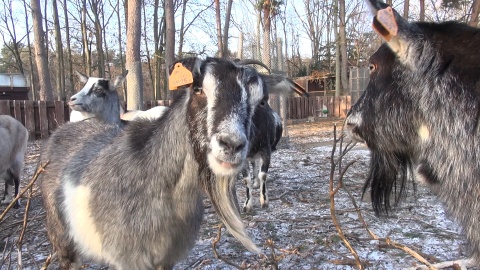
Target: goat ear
(395, 30)
(83, 78)
(120, 79)
(189, 63)
(279, 84)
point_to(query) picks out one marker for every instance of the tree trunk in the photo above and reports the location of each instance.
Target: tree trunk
(338, 84)
(406, 6)
(169, 42)
(218, 20)
(120, 47)
(46, 92)
(182, 29)
(422, 10)
(227, 26)
(60, 81)
(475, 11)
(86, 46)
(70, 87)
(133, 63)
(149, 62)
(97, 10)
(343, 48)
(34, 92)
(267, 24)
(157, 88)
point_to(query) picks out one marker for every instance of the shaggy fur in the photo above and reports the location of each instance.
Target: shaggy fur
(13, 144)
(132, 197)
(419, 115)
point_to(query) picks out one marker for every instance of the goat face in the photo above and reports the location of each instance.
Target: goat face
(225, 96)
(96, 94)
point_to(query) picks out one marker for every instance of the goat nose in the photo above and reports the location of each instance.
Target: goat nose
(232, 144)
(73, 98)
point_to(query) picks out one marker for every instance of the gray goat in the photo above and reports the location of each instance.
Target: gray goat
(132, 197)
(13, 144)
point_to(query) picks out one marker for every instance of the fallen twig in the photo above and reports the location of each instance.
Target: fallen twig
(24, 190)
(214, 247)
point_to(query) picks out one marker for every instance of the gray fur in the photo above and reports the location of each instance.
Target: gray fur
(144, 182)
(13, 144)
(420, 117)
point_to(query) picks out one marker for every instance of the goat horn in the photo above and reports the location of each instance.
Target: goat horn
(252, 62)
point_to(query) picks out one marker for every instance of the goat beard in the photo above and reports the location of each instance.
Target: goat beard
(222, 193)
(389, 174)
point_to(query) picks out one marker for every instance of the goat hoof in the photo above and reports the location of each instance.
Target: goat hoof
(265, 205)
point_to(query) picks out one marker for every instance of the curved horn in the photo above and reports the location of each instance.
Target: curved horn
(252, 62)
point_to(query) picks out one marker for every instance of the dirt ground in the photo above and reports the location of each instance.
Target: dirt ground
(295, 232)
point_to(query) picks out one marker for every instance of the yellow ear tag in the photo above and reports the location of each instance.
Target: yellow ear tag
(387, 19)
(180, 76)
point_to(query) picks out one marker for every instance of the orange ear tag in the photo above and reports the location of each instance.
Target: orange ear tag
(387, 19)
(180, 76)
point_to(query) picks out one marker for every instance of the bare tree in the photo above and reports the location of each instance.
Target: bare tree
(158, 34)
(169, 41)
(474, 15)
(133, 63)
(218, 21)
(267, 26)
(70, 87)
(87, 53)
(343, 47)
(97, 10)
(10, 41)
(45, 85)
(34, 92)
(227, 26)
(60, 69)
(406, 6)
(422, 10)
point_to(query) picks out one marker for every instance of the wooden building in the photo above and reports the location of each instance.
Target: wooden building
(13, 87)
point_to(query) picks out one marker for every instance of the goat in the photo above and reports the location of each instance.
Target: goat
(132, 196)
(97, 99)
(266, 133)
(420, 114)
(12, 155)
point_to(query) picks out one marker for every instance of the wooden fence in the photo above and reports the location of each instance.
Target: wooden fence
(42, 117)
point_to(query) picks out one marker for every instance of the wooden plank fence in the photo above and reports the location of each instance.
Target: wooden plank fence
(41, 118)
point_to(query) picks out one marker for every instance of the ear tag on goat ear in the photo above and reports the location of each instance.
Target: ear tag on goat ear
(387, 19)
(180, 76)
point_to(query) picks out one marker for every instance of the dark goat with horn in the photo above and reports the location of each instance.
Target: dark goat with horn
(420, 114)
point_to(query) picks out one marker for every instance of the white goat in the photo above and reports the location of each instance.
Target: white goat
(96, 99)
(13, 144)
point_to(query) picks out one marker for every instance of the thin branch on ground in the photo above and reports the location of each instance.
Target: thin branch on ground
(215, 252)
(332, 198)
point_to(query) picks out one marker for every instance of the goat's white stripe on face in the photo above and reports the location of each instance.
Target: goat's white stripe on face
(210, 84)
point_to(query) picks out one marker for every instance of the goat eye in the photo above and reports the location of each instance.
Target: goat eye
(372, 67)
(197, 90)
(263, 103)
